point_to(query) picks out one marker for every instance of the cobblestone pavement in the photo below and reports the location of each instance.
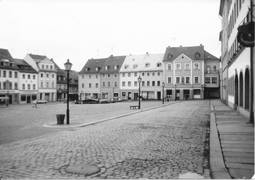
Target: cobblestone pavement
(22, 121)
(161, 143)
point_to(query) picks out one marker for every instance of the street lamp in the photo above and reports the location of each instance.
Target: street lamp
(68, 67)
(163, 86)
(139, 82)
(175, 92)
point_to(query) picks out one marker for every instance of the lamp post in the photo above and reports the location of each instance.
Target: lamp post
(175, 92)
(68, 67)
(163, 86)
(139, 82)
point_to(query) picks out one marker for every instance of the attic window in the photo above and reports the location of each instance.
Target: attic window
(116, 67)
(126, 66)
(147, 65)
(170, 56)
(135, 66)
(97, 68)
(107, 67)
(159, 64)
(88, 69)
(197, 55)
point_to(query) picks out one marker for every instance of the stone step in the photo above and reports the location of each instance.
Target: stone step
(231, 145)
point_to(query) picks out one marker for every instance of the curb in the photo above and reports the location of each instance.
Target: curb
(104, 120)
(217, 166)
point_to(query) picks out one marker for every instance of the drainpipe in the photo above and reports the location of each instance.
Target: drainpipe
(252, 72)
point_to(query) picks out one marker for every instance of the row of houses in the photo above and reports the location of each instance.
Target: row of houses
(237, 60)
(31, 78)
(181, 72)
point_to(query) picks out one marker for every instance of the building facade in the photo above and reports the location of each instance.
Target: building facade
(150, 68)
(184, 73)
(235, 59)
(27, 82)
(47, 76)
(99, 78)
(9, 78)
(62, 85)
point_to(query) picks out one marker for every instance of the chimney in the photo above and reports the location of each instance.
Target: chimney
(147, 53)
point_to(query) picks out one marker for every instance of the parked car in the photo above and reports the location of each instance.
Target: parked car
(41, 101)
(90, 101)
(104, 101)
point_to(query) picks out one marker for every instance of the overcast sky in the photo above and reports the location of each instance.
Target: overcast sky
(80, 30)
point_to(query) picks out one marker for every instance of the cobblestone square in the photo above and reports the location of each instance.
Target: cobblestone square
(160, 143)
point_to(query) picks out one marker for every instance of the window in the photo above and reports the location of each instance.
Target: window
(115, 75)
(135, 74)
(47, 66)
(143, 74)
(159, 64)
(10, 74)
(47, 75)
(23, 76)
(89, 85)
(10, 85)
(23, 86)
(129, 83)
(196, 80)
(15, 74)
(187, 66)
(42, 66)
(126, 66)
(178, 66)
(158, 83)
(169, 80)
(135, 66)
(82, 85)
(96, 85)
(28, 86)
(53, 85)
(207, 80)
(169, 67)
(143, 83)
(129, 74)
(123, 94)
(182, 80)
(28, 76)
(158, 73)
(33, 76)
(50, 66)
(208, 69)
(153, 73)
(109, 84)
(107, 67)
(214, 80)
(41, 84)
(52, 75)
(147, 65)
(4, 85)
(135, 83)
(148, 74)
(47, 84)
(103, 84)
(16, 86)
(82, 76)
(187, 80)
(153, 83)
(214, 68)
(115, 84)
(196, 66)
(123, 74)
(148, 83)
(0, 85)
(41, 74)
(123, 83)
(4, 73)
(177, 80)
(89, 76)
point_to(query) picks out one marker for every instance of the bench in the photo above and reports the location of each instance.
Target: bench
(134, 107)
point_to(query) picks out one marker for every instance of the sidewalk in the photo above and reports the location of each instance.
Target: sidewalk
(236, 139)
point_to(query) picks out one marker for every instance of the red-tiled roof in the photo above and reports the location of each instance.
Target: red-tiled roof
(98, 65)
(24, 66)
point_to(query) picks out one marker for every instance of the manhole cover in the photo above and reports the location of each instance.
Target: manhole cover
(85, 170)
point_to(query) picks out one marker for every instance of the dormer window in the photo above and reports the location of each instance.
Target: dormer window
(126, 66)
(147, 65)
(97, 68)
(169, 56)
(107, 68)
(88, 69)
(197, 55)
(159, 64)
(135, 66)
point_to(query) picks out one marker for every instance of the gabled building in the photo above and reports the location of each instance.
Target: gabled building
(99, 78)
(236, 59)
(184, 72)
(9, 92)
(150, 68)
(47, 76)
(27, 82)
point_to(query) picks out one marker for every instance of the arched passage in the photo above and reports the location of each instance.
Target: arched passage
(241, 88)
(246, 88)
(236, 90)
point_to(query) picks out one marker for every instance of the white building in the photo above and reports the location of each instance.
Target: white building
(28, 82)
(236, 79)
(47, 76)
(150, 68)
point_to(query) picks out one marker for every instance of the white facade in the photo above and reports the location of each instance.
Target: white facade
(89, 86)
(47, 76)
(150, 68)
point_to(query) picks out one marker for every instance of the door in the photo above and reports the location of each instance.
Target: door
(135, 96)
(158, 95)
(28, 99)
(129, 95)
